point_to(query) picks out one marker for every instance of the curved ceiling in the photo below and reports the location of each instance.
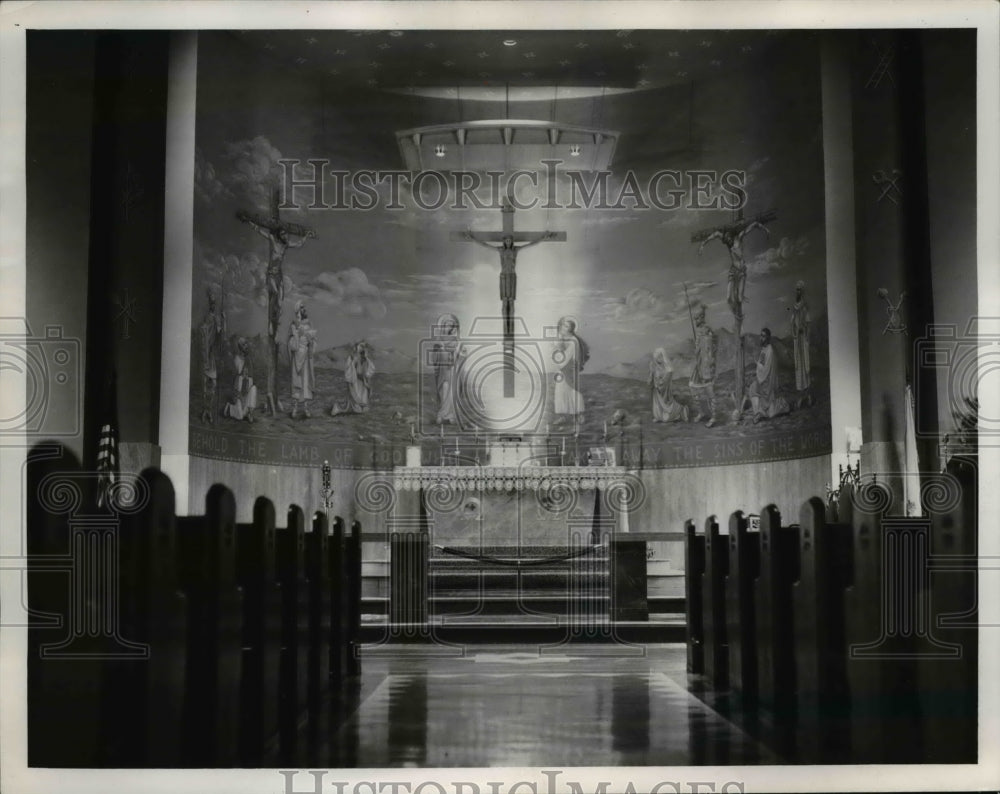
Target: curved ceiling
(505, 65)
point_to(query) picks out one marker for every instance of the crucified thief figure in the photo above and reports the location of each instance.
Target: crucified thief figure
(277, 236)
(732, 237)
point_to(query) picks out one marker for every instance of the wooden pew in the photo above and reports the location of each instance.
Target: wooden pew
(294, 659)
(713, 597)
(318, 584)
(694, 571)
(744, 566)
(64, 695)
(948, 680)
(779, 569)
(352, 637)
(818, 629)
(257, 575)
(207, 561)
(881, 602)
(144, 697)
(338, 601)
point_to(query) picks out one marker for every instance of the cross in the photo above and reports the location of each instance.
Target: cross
(731, 235)
(508, 248)
(278, 234)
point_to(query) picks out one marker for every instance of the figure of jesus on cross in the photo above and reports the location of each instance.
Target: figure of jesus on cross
(508, 249)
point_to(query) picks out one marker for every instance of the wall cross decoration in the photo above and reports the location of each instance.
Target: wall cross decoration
(895, 324)
(126, 312)
(881, 70)
(889, 182)
(132, 190)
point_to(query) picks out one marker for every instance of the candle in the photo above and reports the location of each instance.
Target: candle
(564, 446)
(441, 426)
(605, 428)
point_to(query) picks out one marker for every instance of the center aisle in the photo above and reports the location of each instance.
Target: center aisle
(514, 706)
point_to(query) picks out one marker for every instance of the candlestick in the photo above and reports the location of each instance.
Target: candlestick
(327, 489)
(441, 427)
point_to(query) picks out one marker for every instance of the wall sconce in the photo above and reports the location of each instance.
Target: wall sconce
(574, 150)
(439, 150)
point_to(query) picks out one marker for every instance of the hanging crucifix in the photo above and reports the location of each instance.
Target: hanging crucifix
(279, 236)
(508, 248)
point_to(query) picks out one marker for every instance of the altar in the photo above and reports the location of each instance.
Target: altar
(514, 500)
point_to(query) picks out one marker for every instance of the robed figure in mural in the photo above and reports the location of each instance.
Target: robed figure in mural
(661, 374)
(702, 381)
(301, 346)
(244, 397)
(800, 342)
(445, 358)
(763, 392)
(358, 373)
(569, 353)
(211, 334)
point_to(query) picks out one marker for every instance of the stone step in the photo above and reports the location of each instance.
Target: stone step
(517, 605)
(524, 629)
(510, 580)
(517, 552)
(667, 607)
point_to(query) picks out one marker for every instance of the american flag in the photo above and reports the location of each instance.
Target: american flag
(107, 448)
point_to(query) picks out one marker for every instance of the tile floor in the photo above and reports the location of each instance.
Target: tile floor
(529, 706)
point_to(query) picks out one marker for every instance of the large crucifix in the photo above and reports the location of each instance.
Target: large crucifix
(279, 235)
(508, 248)
(731, 235)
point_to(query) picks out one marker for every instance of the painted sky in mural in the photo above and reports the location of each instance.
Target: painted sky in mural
(373, 283)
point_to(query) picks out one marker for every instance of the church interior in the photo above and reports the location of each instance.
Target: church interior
(501, 398)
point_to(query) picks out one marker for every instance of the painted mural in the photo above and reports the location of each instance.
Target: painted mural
(656, 289)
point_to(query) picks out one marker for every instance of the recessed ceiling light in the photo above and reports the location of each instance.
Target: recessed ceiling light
(510, 42)
(395, 33)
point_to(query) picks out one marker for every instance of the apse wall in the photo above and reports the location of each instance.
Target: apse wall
(632, 279)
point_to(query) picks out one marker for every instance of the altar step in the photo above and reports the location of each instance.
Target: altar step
(525, 580)
(376, 608)
(527, 594)
(527, 630)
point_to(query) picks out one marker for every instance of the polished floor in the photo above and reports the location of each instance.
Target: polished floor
(529, 706)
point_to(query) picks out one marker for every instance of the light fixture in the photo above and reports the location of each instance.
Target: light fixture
(510, 42)
(502, 142)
